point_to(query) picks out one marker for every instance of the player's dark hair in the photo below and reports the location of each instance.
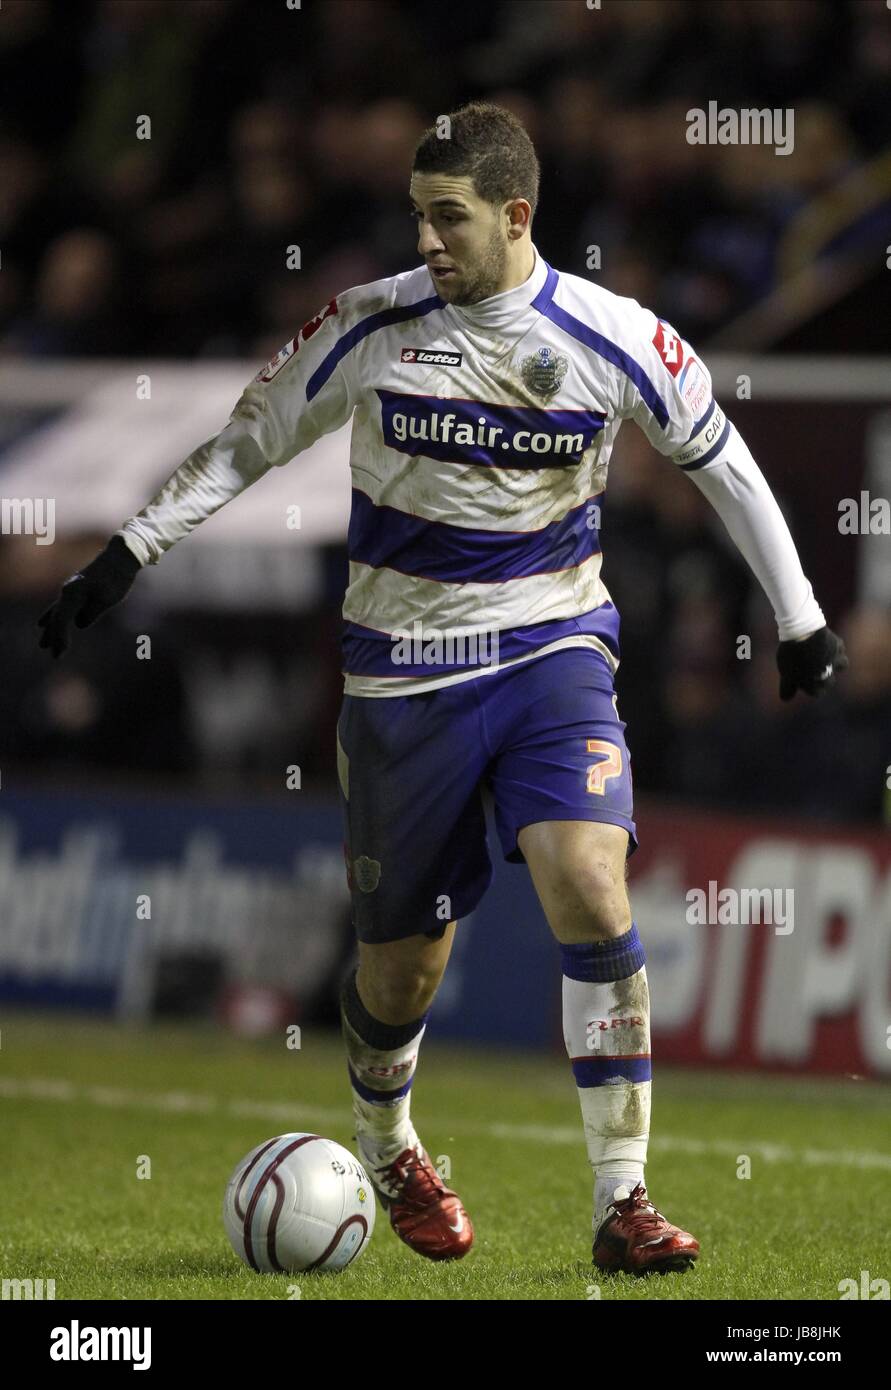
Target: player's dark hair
(487, 144)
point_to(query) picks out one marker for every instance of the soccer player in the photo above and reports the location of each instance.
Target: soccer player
(481, 645)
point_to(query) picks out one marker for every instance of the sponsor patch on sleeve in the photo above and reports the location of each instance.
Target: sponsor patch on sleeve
(669, 347)
(693, 385)
(287, 352)
(281, 357)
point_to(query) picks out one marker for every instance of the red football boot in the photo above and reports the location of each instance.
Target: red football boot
(636, 1239)
(423, 1212)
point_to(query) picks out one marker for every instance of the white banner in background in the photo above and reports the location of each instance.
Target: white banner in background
(109, 453)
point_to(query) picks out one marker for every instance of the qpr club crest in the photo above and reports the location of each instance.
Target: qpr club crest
(367, 873)
(543, 372)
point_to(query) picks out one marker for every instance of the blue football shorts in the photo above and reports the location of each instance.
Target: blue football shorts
(543, 738)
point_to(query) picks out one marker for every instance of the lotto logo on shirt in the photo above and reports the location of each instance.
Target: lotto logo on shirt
(669, 347)
(479, 432)
(428, 357)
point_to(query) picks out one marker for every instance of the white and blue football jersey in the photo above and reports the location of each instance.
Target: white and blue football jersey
(481, 441)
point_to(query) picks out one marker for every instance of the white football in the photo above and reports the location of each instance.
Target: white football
(299, 1202)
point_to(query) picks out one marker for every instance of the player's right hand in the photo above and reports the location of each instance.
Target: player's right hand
(86, 595)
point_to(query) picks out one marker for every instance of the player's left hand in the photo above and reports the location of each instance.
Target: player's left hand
(810, 665)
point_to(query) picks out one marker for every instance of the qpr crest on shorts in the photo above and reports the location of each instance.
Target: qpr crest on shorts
(543, 372)
(366, 873)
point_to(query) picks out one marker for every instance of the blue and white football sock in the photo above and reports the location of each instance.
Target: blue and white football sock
(606, 1028)
(382, 1058)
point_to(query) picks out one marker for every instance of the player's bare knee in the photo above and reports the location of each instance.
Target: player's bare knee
(609, 920)
(599, 886)
(397, 993)
(591, 905)
(399, 1002)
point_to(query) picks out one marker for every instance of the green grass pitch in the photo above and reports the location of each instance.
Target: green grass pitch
(81, 1101)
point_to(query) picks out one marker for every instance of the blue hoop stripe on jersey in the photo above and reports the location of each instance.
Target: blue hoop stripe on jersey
(367, 652)
(712, 453)
(602, 346)
(377, 1097)
(386, 537)
(603, 1071)
(353, 336)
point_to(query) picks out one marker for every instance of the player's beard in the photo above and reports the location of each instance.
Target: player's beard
(487, 274)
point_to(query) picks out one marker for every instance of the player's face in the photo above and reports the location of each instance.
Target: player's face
(462, 238)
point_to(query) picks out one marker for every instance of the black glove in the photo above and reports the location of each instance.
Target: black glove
(87, 594)
(810, 665)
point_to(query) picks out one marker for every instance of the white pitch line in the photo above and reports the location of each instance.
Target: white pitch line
(292, 1112)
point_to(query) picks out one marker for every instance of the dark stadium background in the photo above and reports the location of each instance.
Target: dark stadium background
(273, 127)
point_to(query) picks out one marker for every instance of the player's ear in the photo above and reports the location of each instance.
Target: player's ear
(519, 217)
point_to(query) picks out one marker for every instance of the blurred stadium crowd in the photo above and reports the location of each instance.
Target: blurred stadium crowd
(272, 127)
